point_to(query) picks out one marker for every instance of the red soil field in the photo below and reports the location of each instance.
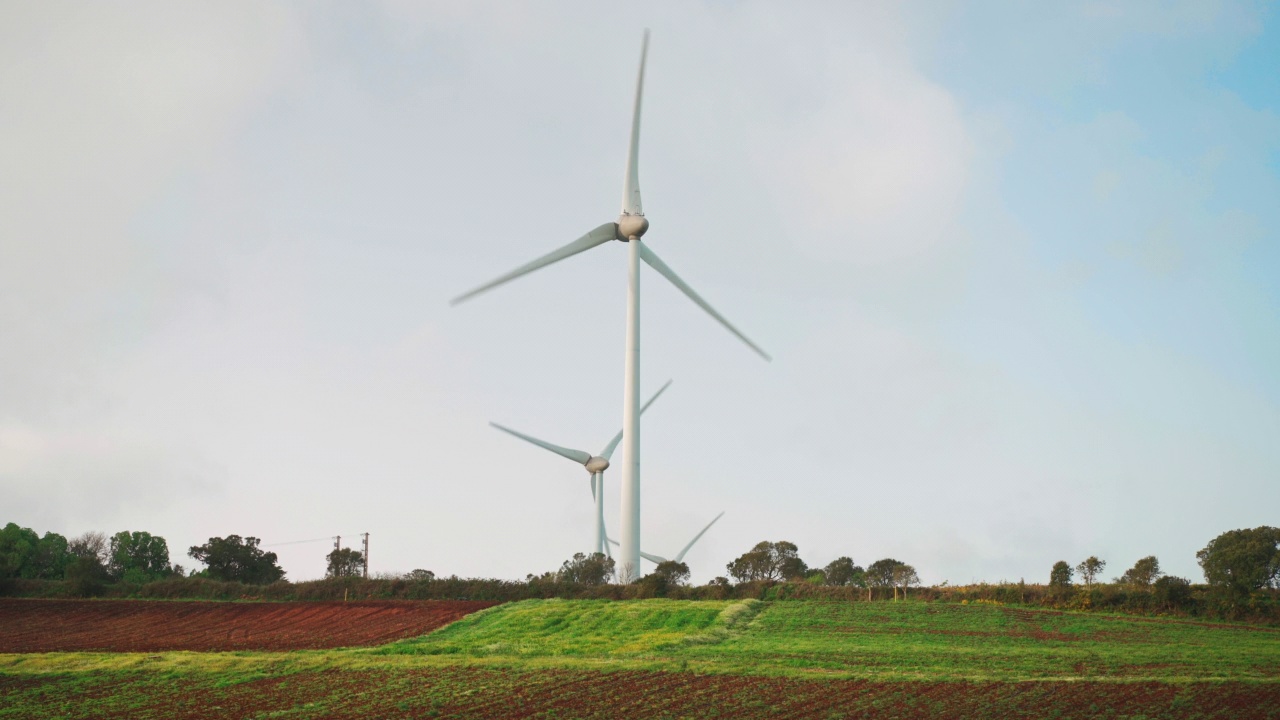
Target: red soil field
(511, 694)
(154, 626)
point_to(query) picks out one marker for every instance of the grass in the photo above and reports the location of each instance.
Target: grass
(559, 645)
(942, 641)
(576, 628)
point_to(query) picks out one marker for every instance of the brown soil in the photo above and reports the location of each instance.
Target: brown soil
(153, 626)
(509, 694)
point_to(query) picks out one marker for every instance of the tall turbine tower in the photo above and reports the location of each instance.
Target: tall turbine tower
(595, 465)
(629, 228)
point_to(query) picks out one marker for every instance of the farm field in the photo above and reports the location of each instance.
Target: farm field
(666, 658)
(472, 692)
(151, 626)
(882, 640)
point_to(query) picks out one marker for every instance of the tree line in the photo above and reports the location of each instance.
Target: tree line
(1241, 570)
(91, 560)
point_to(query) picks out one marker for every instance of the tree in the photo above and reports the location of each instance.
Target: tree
(1172, 590)
(89, 545)
(675, 573)
(1241, 561)
(420, 575)
(52, 557)
(904, 576)
(1143, 573)
(593, 569)
(344, 562)
(667, 574)
(1090, 568)
(236, 559)
(17, 549)
(769, 561)
(880, 575)
(138, 557)
(1060, 577)
(842, 571)
(25, 554)
(86, 570)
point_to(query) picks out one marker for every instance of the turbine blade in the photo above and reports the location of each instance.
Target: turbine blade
(631, 185)
(656, 263)
(593, 487)
(697, 537)
(643, 554)
(607, 453)
(607, 552)
(599, 236)
(577, 456)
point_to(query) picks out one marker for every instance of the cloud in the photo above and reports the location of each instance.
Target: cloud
(105, 106)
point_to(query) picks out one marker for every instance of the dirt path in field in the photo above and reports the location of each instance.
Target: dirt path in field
(154, 626)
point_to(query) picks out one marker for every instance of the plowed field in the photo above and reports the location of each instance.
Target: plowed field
(153, 626)
(482, 693)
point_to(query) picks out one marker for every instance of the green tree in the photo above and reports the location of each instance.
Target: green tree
(1241, 561)
(138, 557)
(676, 573)
(344, 562)
(24, 554)
(665, 576)
(420, 575)
(236, 559)
(52, 557)
(842, 571)
(17, 551)
(904, 576)
(769, 561)
(1143, 573)
(593, 569)
(1172, 591)
(1060, 578)
(880, 575)
(1090, 568)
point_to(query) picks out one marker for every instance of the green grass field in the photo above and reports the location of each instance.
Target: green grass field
(564, 658)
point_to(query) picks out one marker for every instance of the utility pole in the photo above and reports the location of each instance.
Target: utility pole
(366, 556)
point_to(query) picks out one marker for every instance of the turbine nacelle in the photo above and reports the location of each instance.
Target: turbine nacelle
(630, 226)
(596, 464)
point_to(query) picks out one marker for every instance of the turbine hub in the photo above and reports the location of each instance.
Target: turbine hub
(597, 464)
(630, 226)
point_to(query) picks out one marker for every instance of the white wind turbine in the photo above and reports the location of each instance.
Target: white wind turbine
(595, 465)
(629, 228)
(658, 559)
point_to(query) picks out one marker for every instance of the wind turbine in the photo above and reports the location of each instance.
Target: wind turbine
(658, 559)
(595, 465)
(629, 228)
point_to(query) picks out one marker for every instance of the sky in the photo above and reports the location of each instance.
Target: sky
(1018, 267)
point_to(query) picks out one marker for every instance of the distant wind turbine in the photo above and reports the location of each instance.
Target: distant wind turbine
(658, 559)
(629, 228)
(595, 465)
